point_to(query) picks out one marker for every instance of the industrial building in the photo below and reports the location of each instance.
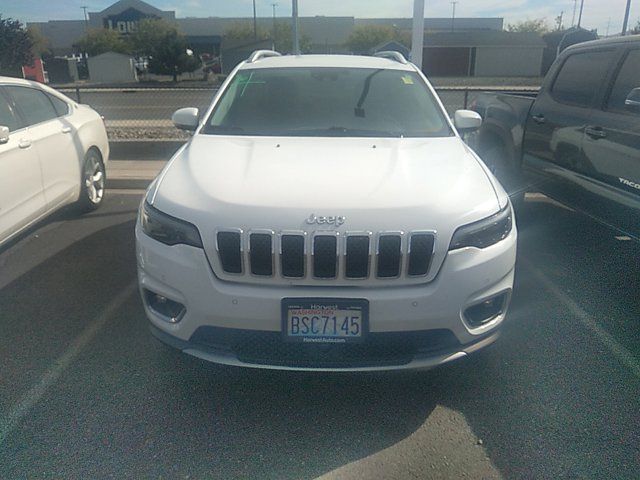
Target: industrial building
(463, 47)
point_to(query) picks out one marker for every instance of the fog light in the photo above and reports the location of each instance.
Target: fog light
(486, 310)
(169, 310)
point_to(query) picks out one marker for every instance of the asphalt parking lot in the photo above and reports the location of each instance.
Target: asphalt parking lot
(86, 392)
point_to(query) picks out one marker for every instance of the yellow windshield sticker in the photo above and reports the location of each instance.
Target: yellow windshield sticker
(407, 80)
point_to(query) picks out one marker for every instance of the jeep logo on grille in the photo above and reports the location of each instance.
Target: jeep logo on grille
(336, 220)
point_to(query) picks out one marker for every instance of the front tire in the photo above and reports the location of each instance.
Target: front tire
(92, 184)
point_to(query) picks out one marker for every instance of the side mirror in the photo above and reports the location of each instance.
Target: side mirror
(467, 120)
(186, 118)
(632, 102)
(4, 134)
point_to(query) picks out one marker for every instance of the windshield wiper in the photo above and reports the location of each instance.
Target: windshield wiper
(358, 110)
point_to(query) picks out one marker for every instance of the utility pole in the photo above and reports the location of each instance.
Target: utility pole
(575, 8)
(580, 16)
(417, 33)
(255, 23)
(294, 26)
(453, 15)
(625, 24)
(559, 20)
(274, 5)
(86, 19)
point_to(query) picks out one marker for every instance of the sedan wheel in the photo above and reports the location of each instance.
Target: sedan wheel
(93, 181)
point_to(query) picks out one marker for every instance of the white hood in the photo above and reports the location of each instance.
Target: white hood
(377, 184)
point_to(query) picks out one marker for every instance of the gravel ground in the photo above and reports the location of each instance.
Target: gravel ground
(146, 133)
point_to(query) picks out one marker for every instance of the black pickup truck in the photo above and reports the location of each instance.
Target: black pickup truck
(578, 139)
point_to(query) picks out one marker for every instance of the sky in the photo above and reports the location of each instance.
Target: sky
(600, 14)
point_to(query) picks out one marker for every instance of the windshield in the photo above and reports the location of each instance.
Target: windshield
(328, 102)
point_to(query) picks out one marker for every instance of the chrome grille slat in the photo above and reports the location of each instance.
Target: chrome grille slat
(326, 255)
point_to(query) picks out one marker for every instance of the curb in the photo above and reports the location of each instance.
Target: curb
(143, 150)
(128, 183)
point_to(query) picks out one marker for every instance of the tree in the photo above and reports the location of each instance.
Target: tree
(282, 38)
(101, 40)
(537, 25)
(243, 31)
(149, 34)
(15, 47)
(366, 37)
(40, 43)
(165, 47)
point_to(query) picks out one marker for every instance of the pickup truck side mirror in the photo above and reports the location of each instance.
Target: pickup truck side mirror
(4, 134)
(467, 121)
(186, 118)
(632, 102)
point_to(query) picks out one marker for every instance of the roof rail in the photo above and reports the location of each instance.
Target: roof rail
(391, 55)
(258, 54)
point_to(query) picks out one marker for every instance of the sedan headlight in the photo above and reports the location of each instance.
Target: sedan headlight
(167, 229)
(485, 232)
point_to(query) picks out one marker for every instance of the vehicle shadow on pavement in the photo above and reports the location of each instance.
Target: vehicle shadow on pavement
(547, 400)
(551, 399)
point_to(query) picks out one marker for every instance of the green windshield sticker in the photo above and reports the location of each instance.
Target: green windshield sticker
(407, 80)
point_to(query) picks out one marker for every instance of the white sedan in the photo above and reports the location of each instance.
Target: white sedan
(53, 152)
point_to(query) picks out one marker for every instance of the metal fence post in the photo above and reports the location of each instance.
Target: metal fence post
(466, 98)
(78, 94)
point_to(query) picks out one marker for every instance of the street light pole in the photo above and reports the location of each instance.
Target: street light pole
(274, 5)
(255, 24)
(294, 27)
(626, 18)
(453, 16)
(417, 33)
(580, 16)
(86, 20)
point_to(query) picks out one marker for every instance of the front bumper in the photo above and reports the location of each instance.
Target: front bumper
(433, 311)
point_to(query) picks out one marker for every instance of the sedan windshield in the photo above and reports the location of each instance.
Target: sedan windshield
(328, 102)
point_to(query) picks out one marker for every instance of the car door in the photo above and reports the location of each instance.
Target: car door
(53, 137)
(21, 190)
(555, 127)
(612, 143)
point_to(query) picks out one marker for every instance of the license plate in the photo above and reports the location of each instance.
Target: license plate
(312, 320)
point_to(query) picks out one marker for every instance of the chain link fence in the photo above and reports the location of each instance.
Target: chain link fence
(135, 114)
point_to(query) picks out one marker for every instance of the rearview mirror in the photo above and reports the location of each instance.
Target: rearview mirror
(467, 120)
(633, 100)
(186, 118)
(4, 134)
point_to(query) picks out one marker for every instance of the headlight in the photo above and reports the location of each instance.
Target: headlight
(167, 229)
(485, 232)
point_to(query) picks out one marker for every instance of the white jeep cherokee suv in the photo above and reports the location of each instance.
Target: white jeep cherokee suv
(326, 215)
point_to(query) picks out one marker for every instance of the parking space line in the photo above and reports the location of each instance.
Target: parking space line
(52, 374)
(618, 351)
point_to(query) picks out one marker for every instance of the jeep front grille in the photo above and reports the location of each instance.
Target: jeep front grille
(325, 255)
